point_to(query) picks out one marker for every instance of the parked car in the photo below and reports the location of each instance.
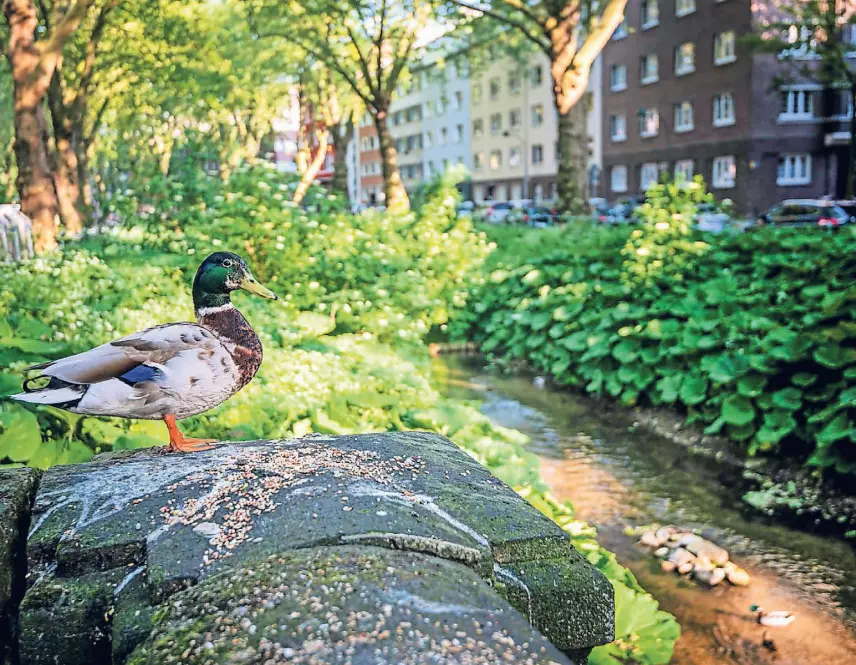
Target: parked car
(849, 207)
(710, 218)
(537, 216)
(466, 208)
(805, 213)
(621, 213)
(497, 212)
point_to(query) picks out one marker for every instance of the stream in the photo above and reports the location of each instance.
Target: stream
(618, 475)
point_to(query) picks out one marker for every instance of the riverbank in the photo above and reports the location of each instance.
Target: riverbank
(620, 475)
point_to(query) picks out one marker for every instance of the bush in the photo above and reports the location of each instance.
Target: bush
(752, 335)
(343, 349)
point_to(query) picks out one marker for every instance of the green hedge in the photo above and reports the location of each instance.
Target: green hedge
(753, 334)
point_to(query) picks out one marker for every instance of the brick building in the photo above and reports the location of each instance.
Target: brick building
(683, 94)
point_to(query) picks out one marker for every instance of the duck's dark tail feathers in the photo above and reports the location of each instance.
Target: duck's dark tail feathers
(57, 393)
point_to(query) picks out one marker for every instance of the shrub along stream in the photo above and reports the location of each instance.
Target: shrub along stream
(344, 347)
(752, 335)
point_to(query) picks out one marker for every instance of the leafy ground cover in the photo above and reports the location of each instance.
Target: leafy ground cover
(344, 347)
(752, 335)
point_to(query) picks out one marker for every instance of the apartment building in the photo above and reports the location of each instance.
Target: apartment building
(370, 190)
(515, 129)
(445, 112)
(684, 95)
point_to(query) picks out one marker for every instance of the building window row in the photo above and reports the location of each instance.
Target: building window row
(411, 114)
(493, 159)
(684, 118)
(724, 52)
(793, 170)
(514, 121)
(515, 84)
(369, 143)
(370, 168)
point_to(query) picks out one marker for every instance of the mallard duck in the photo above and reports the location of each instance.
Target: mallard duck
(776, 618)
(167, 372)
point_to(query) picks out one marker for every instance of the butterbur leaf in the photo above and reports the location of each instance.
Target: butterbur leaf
(669, 386)
(693, 389)
(20, 435)
(737, 410)
(837, 429)
(789, 399)
(834, 356)
(626, 351)
(803, 379)
(751, 385)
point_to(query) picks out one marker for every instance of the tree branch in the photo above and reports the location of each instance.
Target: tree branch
(541, 42)
(364, 64)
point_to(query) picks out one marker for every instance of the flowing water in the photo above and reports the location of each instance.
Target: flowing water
(619, 475)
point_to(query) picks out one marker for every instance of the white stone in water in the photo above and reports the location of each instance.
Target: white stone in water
(680, 556)
(667, 566)
(649, 539)
(738, 577)
(710, 577)
(207, 529)
(662, 553)
(685, 568)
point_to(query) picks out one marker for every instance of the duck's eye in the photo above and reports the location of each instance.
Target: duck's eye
(228, 263)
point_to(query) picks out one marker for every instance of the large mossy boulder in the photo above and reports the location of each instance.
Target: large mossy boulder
(220, 556)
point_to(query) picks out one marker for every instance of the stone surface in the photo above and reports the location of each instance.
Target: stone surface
(16, 490)
(302, 607)
(123, 534)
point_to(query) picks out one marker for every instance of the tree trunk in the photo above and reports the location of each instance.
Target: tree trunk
(851, 167)
(65, 172)
(393, 188)
(81, 149)
(343, 134)
(35, 185)
(313, 167)
(568, 172)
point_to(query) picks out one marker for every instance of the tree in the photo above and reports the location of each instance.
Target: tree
(33, 61)
(818, 39)
(571, 33)
(368, 43)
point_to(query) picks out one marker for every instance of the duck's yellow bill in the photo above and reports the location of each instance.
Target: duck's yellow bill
(249, 284)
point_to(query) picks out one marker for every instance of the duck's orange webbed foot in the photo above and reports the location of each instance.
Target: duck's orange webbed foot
(178, 443)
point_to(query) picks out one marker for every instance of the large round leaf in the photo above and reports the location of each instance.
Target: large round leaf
(693, 389)
(737, 410)
(20, 436)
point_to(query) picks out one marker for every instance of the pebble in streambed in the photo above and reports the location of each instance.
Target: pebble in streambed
(688, 553)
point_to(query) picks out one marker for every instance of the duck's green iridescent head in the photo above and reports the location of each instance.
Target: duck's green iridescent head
(219, 275)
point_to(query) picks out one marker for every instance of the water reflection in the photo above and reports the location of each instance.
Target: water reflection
(618, 475)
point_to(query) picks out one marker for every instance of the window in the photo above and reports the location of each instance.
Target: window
(478, 161)
(649, 70)
(537, 75)
(683, 170)
(648, 175)
(724, 172)
(537, 115)
(477, 93)
(441, 105)
(514, 84)
(495, 159)
(495, 123)
(794, 170)
(430, 168)
(514, 156)
(537, 153)
(842, 108)
(618, 128)
(724, 48)
(494, 88)
(649, 122)
(618, 178)
(514, 118)
(723, 110)
(797, 105)
(459, 100)
(684, 117)
(478, 127)
(444, 136)
(685, 59)
(459, 133)
(621, 30)
(429, 139)
(618, 78)
(684, 7)
(650, 13)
